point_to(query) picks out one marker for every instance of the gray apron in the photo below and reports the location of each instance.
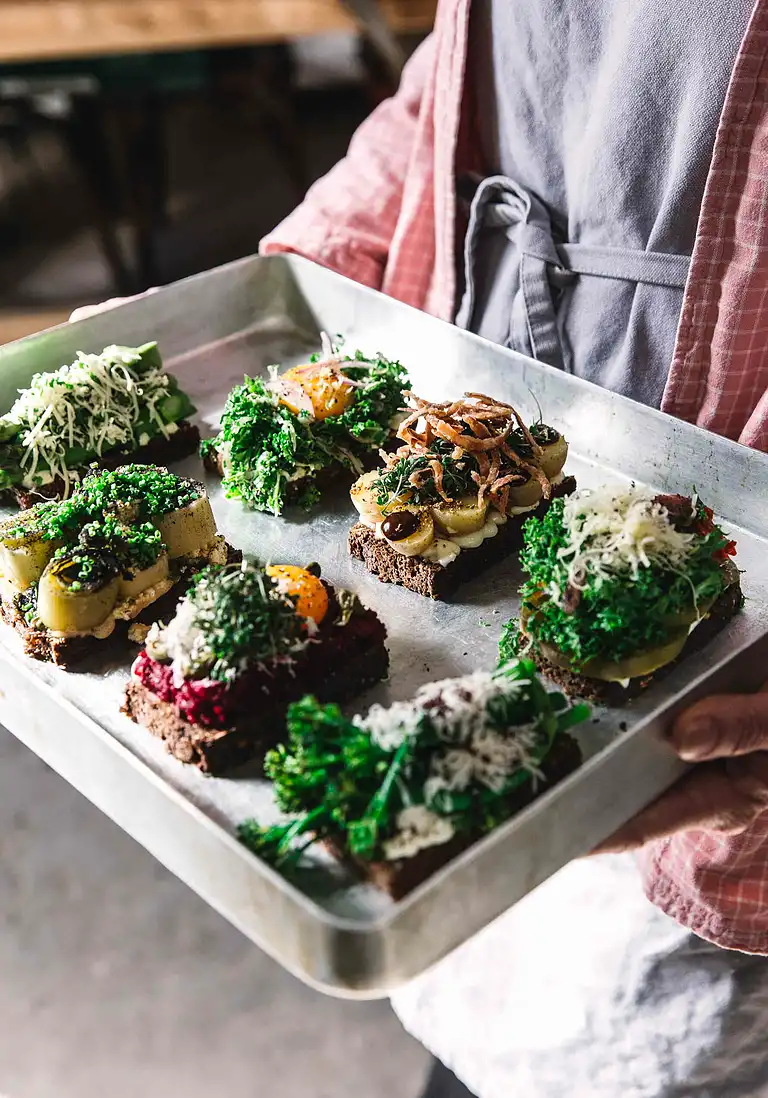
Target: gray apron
(597, 120)
(530, 276)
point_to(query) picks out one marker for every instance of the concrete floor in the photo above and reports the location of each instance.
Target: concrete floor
(114, 978)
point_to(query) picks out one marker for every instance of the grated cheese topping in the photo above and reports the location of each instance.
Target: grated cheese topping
(473, 751)
(460, 712)
(94, 404)
(417, 828)
(182, 641)
(617, 531)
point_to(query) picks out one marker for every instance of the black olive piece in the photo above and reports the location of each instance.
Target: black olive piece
(90, 571)
(314, 569)
(545, 435)
(399, 525)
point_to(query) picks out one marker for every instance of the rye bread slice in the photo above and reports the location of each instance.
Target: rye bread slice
(66, 652)
(356, 659)
(613, 693)
(158, 451)
(437, 581)
(398, 878)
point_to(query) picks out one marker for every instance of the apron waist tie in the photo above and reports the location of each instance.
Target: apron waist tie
(500, 203)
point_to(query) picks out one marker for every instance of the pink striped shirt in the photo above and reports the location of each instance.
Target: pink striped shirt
(386, 216)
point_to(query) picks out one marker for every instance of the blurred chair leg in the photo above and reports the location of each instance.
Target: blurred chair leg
(87, 141)
(137, 138)
(379, 82)
(443, 1083)
(257, 84)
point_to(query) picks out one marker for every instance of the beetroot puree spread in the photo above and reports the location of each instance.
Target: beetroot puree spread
(201, 701)
(216, 705)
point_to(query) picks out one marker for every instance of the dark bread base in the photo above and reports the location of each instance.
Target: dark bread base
(358, 661)
(158, 451)
(613, 693)
(67, 652)
(436, 581)
(400, 877)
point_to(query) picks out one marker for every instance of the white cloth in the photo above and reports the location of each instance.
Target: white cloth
(585, 990)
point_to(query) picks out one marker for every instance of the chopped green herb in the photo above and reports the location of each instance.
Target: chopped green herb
(109, 515)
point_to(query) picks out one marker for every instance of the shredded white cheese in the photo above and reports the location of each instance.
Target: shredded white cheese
(456, 708)
(94, 404)
(417, 829)
(473, 751)
(619, 531)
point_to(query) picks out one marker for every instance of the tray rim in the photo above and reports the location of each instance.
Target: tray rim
(341, 925)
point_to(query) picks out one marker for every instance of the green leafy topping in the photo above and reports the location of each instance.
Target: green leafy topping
(509, 642)
(449, 758)
(120, 398)
(591, 597)
(107, 519)
(395, 480)
(266, 447)
(231, 617)
(133, 493)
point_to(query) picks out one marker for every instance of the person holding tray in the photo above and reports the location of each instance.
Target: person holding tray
(585, 183)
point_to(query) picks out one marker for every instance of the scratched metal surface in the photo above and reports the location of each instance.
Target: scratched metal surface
(343, 937)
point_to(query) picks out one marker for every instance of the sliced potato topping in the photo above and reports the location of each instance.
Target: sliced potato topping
(416, 543)
(463, 516)
(189, 531)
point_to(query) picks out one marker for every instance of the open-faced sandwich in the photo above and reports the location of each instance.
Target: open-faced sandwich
(284, 437)
(76, 573)
(453, 499)
(402, 791)
(215, 683)
(621, 584)
(108, 409)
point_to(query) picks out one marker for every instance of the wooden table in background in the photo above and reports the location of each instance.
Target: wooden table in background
(38, 30)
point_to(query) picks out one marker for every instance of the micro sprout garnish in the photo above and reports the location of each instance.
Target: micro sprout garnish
(232, 616)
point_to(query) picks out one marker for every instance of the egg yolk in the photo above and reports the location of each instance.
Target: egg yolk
(329, 393)
(311, 595)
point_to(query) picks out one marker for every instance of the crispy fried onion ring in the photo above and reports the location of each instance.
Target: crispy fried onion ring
(477, 425)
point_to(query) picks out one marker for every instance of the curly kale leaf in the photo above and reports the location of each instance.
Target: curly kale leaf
(616, 616)
(272, 454)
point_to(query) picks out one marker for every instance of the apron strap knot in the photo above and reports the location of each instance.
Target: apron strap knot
(499, 204)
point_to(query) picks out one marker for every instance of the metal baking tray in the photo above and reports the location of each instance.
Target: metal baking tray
(342, 937)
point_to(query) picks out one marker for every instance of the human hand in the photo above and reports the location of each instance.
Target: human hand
(93, 310)
(727, 737)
